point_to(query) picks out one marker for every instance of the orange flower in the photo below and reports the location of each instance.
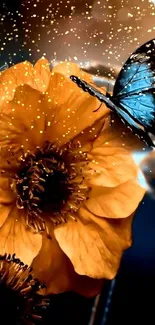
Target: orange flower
(68, 185)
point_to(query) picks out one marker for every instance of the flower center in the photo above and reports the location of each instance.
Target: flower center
(19, 301)
(50, 183)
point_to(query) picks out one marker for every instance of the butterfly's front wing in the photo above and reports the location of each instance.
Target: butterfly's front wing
(138, 73)
(134, 89)
(141, 79)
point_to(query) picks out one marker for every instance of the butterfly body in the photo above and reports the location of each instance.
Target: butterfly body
(133, 96)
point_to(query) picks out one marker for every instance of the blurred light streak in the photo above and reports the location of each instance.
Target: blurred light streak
(4, 67)
(138, 157)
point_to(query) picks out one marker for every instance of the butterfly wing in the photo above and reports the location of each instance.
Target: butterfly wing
(134, 90)
(125, 116)
(135, 127)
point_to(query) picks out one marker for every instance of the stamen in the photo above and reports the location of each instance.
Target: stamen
(51, 183)
(20, 302)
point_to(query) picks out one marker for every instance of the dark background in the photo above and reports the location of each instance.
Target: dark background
(132, 301)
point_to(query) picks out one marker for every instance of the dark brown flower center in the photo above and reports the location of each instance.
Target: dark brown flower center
(19, 302)
(50, 182)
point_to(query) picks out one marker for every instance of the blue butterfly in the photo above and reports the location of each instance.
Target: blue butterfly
(133, 96)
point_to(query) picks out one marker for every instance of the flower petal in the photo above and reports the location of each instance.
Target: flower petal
(115, 189)
(70, 110)
(87, 286)
(87, 137)
(115, 202)
(42, 75)
(113, 166)
(95, 245)
(22, 124)
(70, 68)
(24, 74)
(6, 194)
(115, 135)
(52, 267)
(15, 238)
(4, 212)
(57, 272)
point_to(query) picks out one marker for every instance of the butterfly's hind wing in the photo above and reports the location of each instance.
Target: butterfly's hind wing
(135, 127)
(141, 107)
(134, 90)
